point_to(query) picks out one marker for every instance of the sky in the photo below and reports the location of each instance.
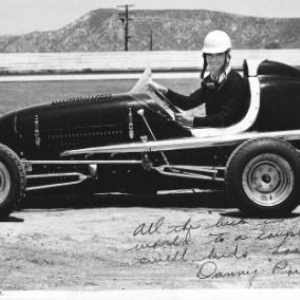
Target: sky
(24, 16)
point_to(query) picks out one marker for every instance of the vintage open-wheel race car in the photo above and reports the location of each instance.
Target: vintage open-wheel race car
(130, 143)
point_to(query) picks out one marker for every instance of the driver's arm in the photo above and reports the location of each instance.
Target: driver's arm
(186, 102)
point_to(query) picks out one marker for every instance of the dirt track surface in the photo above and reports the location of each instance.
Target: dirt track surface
(173, 241)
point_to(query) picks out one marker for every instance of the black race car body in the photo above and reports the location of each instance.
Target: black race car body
(131, 143)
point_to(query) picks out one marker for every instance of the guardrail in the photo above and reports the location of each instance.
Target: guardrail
(128, 62)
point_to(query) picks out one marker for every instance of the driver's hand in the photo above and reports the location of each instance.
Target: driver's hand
(184, 120)
(154, 86)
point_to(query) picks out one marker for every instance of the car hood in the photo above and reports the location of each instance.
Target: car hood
(86, 122)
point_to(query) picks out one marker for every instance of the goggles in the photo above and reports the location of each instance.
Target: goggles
(212, 55)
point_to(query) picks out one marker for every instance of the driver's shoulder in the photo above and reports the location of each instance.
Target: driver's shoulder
(235, 80)
(234, 76)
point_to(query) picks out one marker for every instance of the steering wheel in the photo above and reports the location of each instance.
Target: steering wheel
(165, 103)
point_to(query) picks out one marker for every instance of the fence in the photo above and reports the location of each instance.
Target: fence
(127, 62)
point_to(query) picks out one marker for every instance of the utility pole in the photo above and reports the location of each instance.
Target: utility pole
(124, 17)
(151, 40)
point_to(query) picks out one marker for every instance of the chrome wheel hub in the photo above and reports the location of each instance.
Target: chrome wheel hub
(268, 179)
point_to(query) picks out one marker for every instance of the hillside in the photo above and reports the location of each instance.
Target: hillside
(102, 30)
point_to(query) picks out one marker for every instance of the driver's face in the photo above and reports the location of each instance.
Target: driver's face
(215, 62)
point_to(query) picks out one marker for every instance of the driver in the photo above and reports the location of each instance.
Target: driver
(223, 90)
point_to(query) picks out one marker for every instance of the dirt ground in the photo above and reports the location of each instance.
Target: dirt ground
(187, 239)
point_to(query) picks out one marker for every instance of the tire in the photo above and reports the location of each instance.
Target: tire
(12, 181)
(262, 177)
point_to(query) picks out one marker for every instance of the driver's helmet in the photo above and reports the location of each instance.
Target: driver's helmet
(216, 41)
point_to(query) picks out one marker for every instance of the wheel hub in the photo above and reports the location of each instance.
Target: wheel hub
(265, 178)
(268, 179)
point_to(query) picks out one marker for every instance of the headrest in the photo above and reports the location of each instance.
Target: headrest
(250, 67)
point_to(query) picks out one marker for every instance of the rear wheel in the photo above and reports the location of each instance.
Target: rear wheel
(12, 181)
(261, 177)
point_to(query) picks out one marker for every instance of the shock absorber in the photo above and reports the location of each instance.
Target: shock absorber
(141, 113)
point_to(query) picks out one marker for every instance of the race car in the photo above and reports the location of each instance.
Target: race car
(131, 143)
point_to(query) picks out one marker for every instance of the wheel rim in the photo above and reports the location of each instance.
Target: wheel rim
(268, 180)
(5, 182)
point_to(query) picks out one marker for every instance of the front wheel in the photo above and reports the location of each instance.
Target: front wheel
(12, 181)
(262, 176)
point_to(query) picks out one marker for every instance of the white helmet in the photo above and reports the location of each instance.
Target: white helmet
(216, 41)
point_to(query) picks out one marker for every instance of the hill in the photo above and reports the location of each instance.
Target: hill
(102, 30)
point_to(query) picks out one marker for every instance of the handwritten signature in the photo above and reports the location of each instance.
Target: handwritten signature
(209, 270)
(213, 248)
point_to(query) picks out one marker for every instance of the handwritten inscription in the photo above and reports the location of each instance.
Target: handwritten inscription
(283, 267)
(209, 270)
(222, 250)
